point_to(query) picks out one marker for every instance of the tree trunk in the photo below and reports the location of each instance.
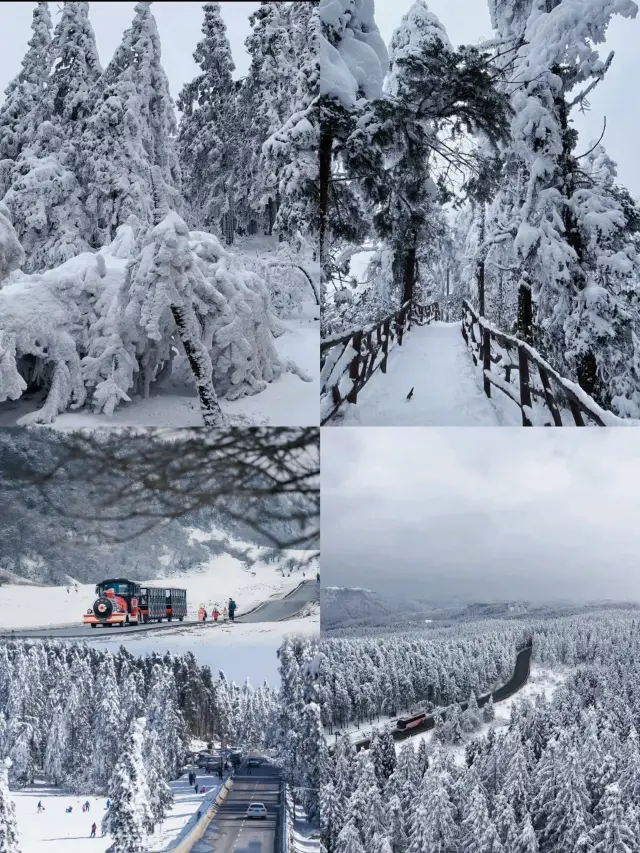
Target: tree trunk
(201, 367)
(409, 261)
(525, 311)
(480, 267)
(326, 148)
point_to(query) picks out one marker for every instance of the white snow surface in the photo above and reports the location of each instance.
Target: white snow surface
(224, 576)
(433, 360)
(244, 650)
(55, 831)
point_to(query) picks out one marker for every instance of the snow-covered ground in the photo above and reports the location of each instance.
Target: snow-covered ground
(541, 681)
(55, 831)
(286, 402)
(306, 838)
(42, 310)
(224, 576)
(242, 650)
(434, 361)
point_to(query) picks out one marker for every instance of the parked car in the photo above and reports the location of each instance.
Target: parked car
(257, 810)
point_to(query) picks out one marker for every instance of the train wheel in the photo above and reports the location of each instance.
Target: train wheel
(169, 618)
(180, 618)
(93, 625)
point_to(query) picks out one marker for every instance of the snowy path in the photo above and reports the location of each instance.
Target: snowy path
(435, 362)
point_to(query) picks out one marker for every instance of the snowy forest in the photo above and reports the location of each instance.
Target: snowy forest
(561, 775)
(456, 173)
(119, 268)
(92, 722)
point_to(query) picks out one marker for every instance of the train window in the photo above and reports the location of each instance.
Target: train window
(118, 588)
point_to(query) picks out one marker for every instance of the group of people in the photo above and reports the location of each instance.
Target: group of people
(228, 612)
(86, 806)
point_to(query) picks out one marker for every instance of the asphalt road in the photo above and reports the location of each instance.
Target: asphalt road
(284, 608)
(269, 611)
(517, 680)
(230, 831)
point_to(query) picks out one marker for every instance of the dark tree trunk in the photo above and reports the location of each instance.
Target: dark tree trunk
(326, 148)
(212, 414)
(409, 261)
(480, 268)
(525, 311)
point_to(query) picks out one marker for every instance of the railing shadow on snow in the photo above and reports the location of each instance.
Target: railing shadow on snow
(502, 355)
(348, 361)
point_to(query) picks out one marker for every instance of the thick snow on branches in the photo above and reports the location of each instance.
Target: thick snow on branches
(560, 774)
(114, 292)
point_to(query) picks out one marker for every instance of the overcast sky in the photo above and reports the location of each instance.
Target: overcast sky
(482, 514)
(178, 23)
(617, 97)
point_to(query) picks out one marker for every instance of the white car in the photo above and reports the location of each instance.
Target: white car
(257, 810)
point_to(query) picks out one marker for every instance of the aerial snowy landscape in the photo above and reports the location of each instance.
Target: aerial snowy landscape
(158, 258)
(479, 630)
(479, 213)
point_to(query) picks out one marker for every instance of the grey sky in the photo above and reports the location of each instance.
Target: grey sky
(617, 97)
(482, 513)
(178, 23)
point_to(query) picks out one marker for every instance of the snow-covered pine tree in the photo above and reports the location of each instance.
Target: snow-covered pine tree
(160, 793)
(75, 68)
(204, 145)
(129, 818)
(25, 94)
(290, 153)
(8, 826)
(571, 296)
(130, 131)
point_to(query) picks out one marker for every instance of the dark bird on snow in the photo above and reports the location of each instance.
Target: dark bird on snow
(410, 394)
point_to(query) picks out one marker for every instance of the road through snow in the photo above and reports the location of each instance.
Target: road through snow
(274, 610)
(434, 361)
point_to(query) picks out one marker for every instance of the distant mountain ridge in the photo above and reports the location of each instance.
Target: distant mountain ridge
(346, 608)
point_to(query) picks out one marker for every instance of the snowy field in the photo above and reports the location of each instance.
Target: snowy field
(55, 831)
(242, 651)
(224, 576)
(306, 838)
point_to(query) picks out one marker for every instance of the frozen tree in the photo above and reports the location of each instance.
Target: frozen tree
(24, 95)
(8, 826)
(613, 834)
(130, 131)
(11, 252)
(129, 818)
(204, 141)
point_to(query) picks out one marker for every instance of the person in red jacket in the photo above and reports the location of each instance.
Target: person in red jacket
(215, 614)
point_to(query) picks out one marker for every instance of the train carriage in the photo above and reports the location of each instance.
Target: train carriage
(123, 602)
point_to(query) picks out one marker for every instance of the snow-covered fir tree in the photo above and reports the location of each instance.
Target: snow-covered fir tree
(8, 828)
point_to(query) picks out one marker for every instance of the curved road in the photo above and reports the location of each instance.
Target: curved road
(275, 610)
(515, 683)
(284, 608)
(230, 831)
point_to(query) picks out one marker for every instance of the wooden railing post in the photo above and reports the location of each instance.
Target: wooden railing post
(400, 320)
(525, 388)
(486, 360)
(385, 344)
(354, 368)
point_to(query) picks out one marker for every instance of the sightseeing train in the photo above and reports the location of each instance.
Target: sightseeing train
(123, 602)
(412, 722)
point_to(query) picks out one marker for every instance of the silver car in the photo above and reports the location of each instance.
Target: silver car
(257, 810)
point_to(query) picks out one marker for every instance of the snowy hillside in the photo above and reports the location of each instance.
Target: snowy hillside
(224, 576)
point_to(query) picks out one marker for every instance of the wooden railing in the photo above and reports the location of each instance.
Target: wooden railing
(348, 361)
(502, 356)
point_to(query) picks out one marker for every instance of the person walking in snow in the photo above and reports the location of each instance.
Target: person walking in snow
(204, 615)
(196, 788)
(93, 830)
(215, 614)
(201, 614)
(108, 806)
(87, 805)
(232, 610)
(40, 806)
(318, 577)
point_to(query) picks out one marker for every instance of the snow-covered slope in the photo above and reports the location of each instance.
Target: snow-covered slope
(223, 576)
